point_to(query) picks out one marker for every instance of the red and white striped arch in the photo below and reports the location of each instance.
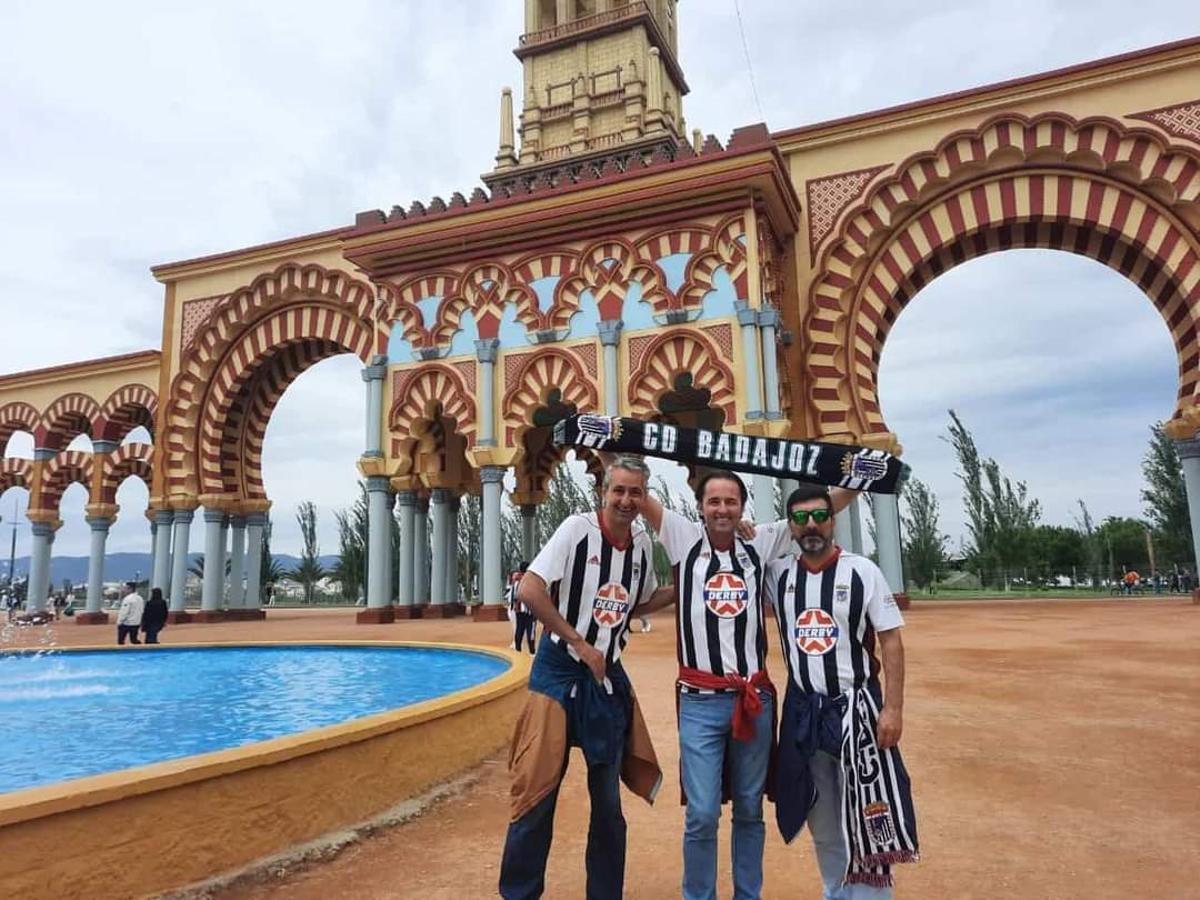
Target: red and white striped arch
(325, 309)
(65, 419)
(128, 407)
(61, 472)
(15, 472)
(436, 390)
(546, 371)
(14, 417)
(672, 354)
(1124, 197)
(133, 460)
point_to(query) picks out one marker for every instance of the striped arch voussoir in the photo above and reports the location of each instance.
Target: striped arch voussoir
(14, 417)
(15, 473)
(402, 308)
(544, 372)
(560, 264)
(672, 354)
(435, 388)
(127, 408)
(63, 470)
(66, 418)
(1122, 196)
(129, 460)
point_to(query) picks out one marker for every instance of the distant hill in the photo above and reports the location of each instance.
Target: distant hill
(126, 566)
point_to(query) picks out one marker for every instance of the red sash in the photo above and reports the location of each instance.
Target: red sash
(749, 705)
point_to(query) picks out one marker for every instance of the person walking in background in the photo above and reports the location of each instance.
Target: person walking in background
(524, 621)
(154, 617)
(129, 616)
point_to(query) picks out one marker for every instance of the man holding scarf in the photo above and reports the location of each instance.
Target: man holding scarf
(838, 767)
(584, 585)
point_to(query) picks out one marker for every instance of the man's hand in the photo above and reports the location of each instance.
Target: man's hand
(745, 530)
(592, 658)
(889, 727)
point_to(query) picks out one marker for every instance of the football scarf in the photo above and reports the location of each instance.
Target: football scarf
(879, 825)
(836, 465)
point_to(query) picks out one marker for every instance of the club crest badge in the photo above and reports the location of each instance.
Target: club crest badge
(816, 632)
(879, 823)
(595, 431)
(841, 593)
(863, 467)
(725, 595)
(610, 605)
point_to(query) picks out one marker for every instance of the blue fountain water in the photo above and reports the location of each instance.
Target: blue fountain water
(67, 715)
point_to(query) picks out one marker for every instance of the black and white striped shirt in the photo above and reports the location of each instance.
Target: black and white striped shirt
(828, 619)
(596, 584)
(719, 614)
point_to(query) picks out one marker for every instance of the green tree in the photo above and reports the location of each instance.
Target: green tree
(309, 570)
(1058, 551)
(272, 571)
(686, 507)
(924, 543)
(352, 545)
(1093, 546)
(1166, 500)
(1124, 540)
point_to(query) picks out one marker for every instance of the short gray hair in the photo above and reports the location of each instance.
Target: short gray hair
(629, 464)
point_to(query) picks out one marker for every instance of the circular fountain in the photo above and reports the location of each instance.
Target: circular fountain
(225, 754)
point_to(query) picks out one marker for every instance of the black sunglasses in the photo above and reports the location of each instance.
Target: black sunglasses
(801, 516)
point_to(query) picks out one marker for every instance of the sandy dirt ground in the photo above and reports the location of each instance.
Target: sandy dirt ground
(1054, 749)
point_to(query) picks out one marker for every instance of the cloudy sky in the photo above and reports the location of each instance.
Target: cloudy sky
(138, 133)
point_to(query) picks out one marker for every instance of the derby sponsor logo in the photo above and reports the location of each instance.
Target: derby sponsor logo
(610, 605)
(816, 632)
(725, 595)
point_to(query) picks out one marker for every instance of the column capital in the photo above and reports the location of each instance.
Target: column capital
(439, 496)
(377, 483)
(43, 454)
(406, 498)
(104, 446)
(610, 332)
(375, 371)
(237, 521)
(99, 523)
(257, 520)
(214, 516)
(44, 529)
(1188, 448)
(528, 511)
(768, 317)
(183, 516)
(746, 314)
(491, 474)
(485, 350)
(422, 505)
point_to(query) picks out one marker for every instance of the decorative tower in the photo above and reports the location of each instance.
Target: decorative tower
(601, 83)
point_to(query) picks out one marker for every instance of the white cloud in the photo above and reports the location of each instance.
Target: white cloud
(144, 132)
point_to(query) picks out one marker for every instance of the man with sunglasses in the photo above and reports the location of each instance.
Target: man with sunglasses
(832, 608)
(726, 701)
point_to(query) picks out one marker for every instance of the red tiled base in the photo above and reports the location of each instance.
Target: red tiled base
(211, 615)
(490, 612)
(376, 615)
(91, 618)
(407, 612)
(245, 615)
(437, 611)
(175, 617)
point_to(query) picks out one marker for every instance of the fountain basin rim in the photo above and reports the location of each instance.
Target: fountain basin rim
(95, 790)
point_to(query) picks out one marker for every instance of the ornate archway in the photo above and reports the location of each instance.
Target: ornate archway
(671, 355)
(1124, 197)
(256, 342)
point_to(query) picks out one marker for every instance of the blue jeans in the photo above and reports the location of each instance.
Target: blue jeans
(705, 742)
(825, 823)
(523, 868)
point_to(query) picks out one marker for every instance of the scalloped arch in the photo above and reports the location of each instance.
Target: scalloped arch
(543, 372)
(669, 356)
(1125, 197)
(434, 386)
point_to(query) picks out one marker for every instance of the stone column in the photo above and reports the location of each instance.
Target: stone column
(379, 608)
(610, 338)
(256, 524)
(491, 587)
(421, 554)
(94, 612)
(528, 532)
(373, 376)
(182, 526)
(405, 608)
(237, 562)
(437, 568)
(485, 352)
(224, 591)
(38, 585)
(163, 521)
(1189, 458)
(842, 529)
(153, 549)
(856, 535)
(748, 320)
(887, 536)
(768, 320)
(452, 599)
(763, 488)
(212, 588)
